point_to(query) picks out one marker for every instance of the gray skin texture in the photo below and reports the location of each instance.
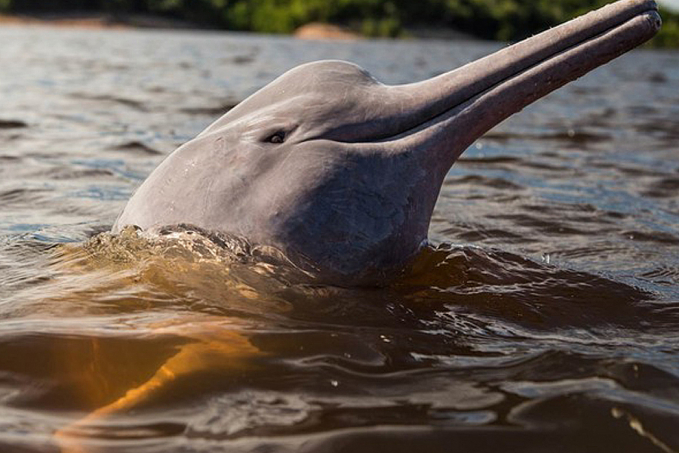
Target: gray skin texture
(340, 172)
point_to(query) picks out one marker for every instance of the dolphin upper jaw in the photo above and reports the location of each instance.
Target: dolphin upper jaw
(349, 184)
(463, 104)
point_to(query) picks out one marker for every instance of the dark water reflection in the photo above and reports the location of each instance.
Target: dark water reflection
(553, 326)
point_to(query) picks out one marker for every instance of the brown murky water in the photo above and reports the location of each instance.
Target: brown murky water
(544, 317)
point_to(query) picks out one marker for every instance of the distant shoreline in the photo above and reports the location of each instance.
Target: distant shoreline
(96, 21)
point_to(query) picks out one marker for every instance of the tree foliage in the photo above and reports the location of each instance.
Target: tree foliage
(505, 20)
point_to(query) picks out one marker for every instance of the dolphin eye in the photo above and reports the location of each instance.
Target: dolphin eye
(277, 137)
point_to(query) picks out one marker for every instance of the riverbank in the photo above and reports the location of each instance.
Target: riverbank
(95, 20)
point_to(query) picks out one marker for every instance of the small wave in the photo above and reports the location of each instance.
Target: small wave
(127, 102)
(663, 188)
(664, 275)
(211, 111)
(572, 136)
(59, 173)
(138, 148)
(659, 237)
(20, 196)
(12, 124)
(475, 180)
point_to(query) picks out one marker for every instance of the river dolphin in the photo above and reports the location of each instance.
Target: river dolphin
(341, 172)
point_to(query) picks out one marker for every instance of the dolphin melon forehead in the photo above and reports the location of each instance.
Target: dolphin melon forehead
(326, 82)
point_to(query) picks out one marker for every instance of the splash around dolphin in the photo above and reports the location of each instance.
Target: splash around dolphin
(340, 172)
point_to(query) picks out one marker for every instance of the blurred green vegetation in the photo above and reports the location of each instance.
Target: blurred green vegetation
(504, 20)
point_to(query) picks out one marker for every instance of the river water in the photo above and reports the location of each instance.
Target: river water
(543, 317)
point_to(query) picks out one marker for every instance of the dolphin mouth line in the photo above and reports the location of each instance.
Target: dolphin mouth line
(596, 43)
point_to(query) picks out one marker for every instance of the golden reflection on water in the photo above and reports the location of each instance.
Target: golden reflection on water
(213, 347)
(127, 273)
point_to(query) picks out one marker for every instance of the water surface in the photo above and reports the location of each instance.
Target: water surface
(543, 317)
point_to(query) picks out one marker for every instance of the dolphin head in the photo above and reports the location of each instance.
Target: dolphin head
(342, 172)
